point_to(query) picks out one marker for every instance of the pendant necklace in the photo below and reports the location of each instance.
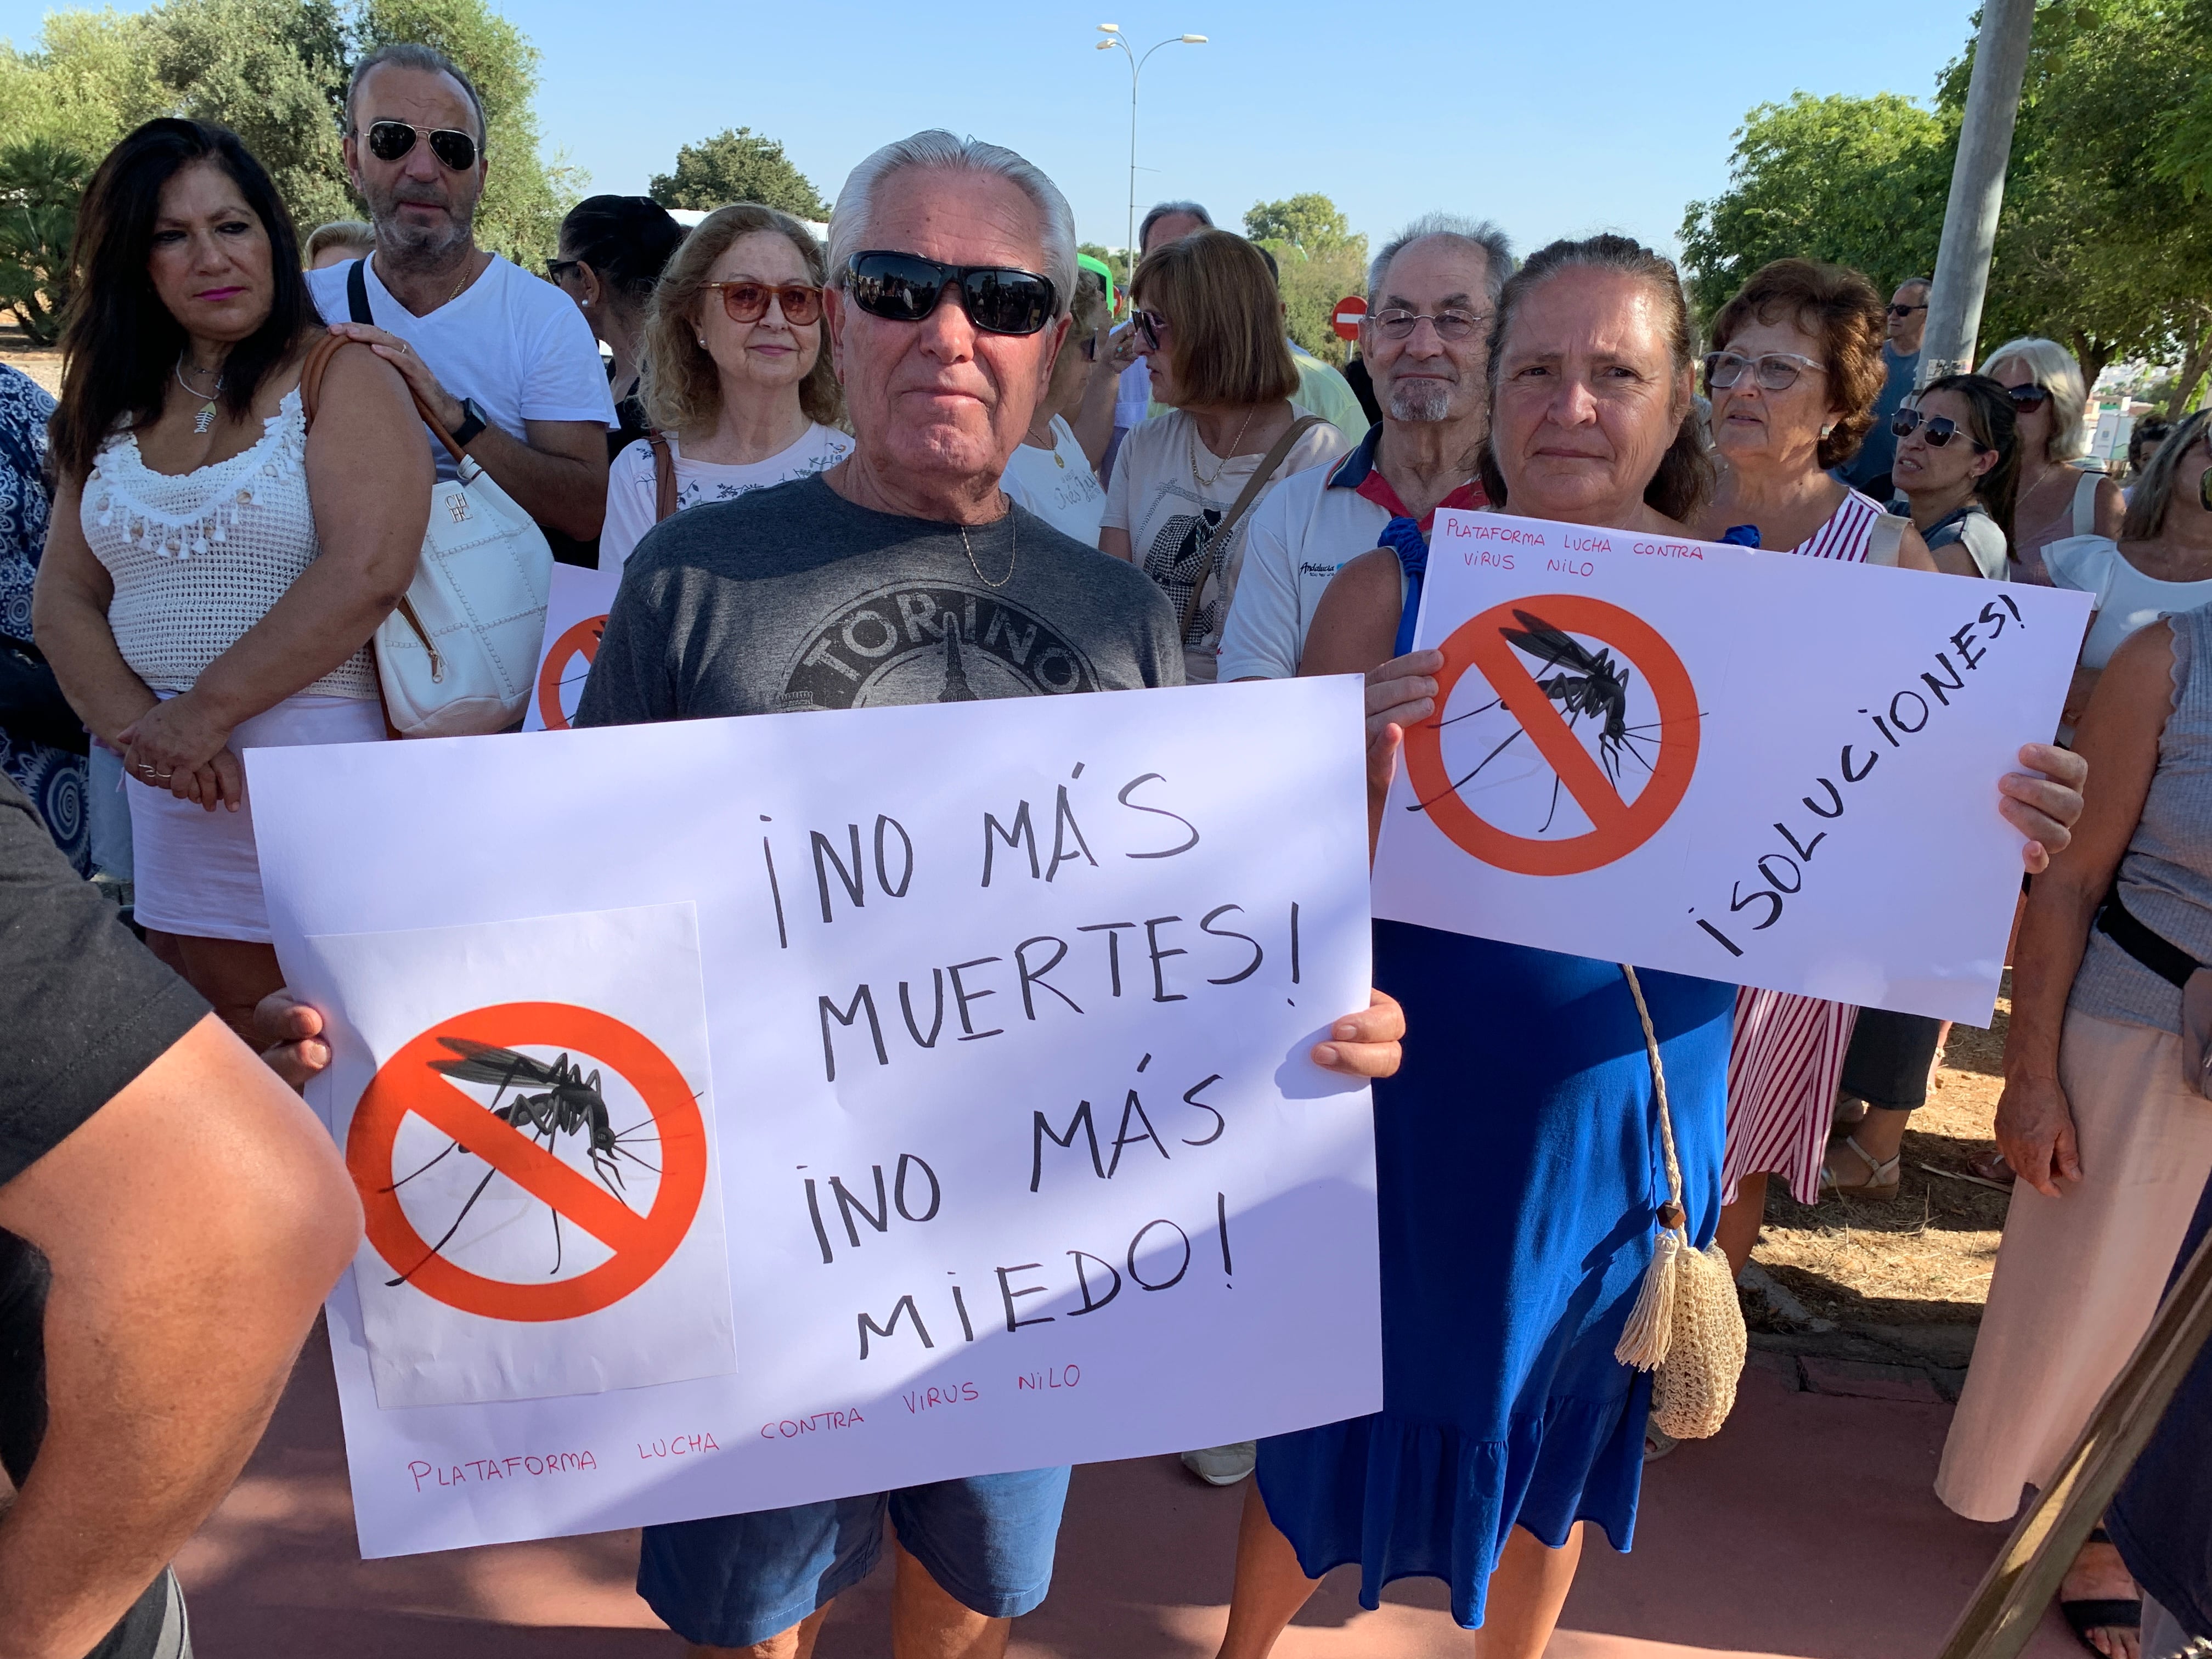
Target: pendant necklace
(205, 417)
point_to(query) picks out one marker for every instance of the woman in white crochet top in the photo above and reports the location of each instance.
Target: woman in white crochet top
(215, 569)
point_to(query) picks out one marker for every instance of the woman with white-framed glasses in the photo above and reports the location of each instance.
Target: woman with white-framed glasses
(735, 377)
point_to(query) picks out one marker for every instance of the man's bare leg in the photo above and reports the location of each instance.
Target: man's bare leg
(796, 1643)
(928, 1623)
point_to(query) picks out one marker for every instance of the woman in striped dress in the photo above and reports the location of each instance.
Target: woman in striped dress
(1793, 388)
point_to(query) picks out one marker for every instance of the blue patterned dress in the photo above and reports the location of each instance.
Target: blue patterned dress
(52, 778)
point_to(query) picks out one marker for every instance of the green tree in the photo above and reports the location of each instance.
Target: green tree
(1318, 261)
(1860, 181)
(737, 165)
(524, 196)
(40, 184)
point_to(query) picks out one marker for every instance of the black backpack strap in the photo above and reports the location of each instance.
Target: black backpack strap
(2163, 957)
(357, 293)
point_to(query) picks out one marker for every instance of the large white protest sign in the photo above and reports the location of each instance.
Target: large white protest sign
(754, 1111)
(575, 616)
(1747, 766)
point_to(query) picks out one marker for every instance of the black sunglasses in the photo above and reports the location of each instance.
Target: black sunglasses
(2029, 397)
(1940, 429)
(557, 268)
(1905, 311)
(389, 140)
(905, 288)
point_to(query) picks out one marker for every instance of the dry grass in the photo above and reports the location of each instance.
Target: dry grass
(1925, 1256)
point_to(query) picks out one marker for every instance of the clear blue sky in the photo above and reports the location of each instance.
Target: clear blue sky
(1552, 116)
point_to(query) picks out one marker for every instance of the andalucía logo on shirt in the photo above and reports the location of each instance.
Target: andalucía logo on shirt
(910, 643)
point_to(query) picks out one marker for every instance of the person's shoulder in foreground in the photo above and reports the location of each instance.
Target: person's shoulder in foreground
(85, 1007)
(793, 598)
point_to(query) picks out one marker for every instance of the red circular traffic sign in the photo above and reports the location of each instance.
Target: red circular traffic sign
(1350, 311)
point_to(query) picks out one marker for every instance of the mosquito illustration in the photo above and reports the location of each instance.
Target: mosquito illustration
(1595, 686)
(570, 1102)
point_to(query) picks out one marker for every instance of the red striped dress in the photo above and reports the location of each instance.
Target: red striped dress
(1787, 1055)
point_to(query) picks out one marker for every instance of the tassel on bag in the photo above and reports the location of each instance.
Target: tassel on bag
(1687, 1325)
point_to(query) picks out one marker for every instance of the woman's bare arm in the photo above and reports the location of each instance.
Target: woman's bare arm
(68, 619)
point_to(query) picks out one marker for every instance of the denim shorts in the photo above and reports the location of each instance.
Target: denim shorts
(733, 1580)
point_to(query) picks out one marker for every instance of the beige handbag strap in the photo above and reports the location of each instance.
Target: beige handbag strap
(664, 477)
(1245, 497)
(1885, 538)
(311, 390)
(1671, 1214)
(2085, 504)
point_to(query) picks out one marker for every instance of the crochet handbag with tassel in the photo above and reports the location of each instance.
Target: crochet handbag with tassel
(1686, 1325)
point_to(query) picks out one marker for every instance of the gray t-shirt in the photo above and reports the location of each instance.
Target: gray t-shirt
(793, 597)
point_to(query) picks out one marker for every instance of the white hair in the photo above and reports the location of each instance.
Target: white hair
(940, 151)
(2056, 372)
(1498, 259)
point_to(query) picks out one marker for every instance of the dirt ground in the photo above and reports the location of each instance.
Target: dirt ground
(42, 366)
(1923, 1257)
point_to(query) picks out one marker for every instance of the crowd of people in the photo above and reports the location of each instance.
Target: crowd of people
(758, 430)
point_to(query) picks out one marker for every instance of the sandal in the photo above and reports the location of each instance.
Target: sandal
(1990, 1166)
(2082, 1617)
(1882, 1175)
(1657, 1443)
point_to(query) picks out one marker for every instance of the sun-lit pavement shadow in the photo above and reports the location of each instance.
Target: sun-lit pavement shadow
(1806, 1531)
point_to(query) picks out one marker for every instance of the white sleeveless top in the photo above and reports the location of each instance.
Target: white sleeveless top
(200, 558)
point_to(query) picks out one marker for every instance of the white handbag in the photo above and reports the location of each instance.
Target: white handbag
(457, 657)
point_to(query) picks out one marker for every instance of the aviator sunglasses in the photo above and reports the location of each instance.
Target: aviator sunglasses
(905, 288)
(389, 140)
(1938, 429)
(746, 301)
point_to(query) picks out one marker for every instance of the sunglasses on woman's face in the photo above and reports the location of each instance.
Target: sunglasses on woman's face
(389, 140)
(1153, 327)
(1938, 429)
(905, 288)
(2028, 398)
(746, 301)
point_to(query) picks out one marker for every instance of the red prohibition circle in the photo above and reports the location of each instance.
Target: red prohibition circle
(579, 639)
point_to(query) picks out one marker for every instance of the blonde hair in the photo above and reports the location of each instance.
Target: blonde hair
(340, 233)
(2056, 372)
(1225, 317)
(678, 383)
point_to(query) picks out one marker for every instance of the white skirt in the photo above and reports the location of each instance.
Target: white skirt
(196, 871)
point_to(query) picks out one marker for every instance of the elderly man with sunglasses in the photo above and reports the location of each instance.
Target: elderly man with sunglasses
(1431, 291)
(903, 574)
(1903, 327)
(503, 360)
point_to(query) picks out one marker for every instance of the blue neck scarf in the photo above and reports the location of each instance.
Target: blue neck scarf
(1403, 536)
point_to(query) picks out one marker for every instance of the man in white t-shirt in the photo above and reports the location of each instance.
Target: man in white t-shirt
(1431, 291)
(504, 360)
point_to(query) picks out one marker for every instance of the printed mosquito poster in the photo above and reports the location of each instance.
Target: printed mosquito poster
(750, 1112)
(1747, 766)
(575, 616)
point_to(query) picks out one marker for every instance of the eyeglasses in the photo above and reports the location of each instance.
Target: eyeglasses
(905, 288)
(744, 302)
(1776, 371)
(1449, 325)
(1905, 311)
(557, 268)
(1153, 327)
(389, 140)
(1938, 429)
(2028, 398)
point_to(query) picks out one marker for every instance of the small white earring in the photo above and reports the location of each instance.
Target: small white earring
(702, 339)
(1828, 429)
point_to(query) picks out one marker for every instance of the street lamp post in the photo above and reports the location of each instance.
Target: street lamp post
(1112, 34)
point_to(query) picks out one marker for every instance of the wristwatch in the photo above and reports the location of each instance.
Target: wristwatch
(472, 422)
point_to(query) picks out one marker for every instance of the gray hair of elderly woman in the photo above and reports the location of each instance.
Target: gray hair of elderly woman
(938, 151)
(1160, 210)
(1498, 261)
(2154, 491)
(2057, 372)
(1686, 476)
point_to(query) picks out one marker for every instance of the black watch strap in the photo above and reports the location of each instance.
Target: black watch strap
(472, 422)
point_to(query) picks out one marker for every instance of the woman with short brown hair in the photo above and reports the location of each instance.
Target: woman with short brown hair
(1210, 326)
(734, 373)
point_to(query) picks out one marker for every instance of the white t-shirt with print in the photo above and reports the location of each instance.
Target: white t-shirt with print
(1171, 514)
(634, 490)
(1057, 484)
(512, 341)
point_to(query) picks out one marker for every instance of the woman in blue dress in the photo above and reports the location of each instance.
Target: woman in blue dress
(1517, 1150)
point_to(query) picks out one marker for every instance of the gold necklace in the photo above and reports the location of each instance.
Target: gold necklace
(1205, 484)
(1014, 558)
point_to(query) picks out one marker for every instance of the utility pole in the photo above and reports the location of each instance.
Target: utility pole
(1970, 218)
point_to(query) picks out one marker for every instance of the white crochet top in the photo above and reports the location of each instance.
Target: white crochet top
(198, 558)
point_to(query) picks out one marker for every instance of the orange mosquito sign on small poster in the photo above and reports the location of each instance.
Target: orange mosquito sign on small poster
(1585, 683)
(575, 617)
(538, 1106)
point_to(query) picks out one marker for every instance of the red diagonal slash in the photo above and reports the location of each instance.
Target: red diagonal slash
(1594, 792)
(527, 1164)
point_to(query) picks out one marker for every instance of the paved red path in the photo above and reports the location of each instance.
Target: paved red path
(1807, 1529)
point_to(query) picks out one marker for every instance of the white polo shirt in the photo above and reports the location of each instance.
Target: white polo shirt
(1305, 530)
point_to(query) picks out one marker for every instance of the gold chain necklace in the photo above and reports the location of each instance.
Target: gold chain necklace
(1205, 484)
(1015, 525)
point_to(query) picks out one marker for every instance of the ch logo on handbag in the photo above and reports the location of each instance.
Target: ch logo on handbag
(457, 507)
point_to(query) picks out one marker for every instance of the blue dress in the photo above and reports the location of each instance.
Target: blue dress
(54, 778)
(1518, 1170)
